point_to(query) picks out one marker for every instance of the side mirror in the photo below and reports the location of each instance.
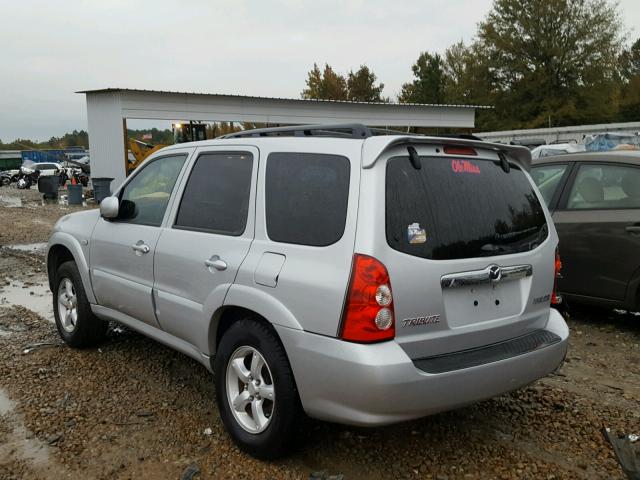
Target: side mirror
(109, 207)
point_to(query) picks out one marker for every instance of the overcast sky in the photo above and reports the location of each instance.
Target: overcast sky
(49, 50)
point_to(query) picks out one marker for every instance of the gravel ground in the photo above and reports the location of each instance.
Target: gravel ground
(135, 409)
(26, 218)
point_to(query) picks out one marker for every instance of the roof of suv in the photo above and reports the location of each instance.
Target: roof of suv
(622, 156)
(374, 141)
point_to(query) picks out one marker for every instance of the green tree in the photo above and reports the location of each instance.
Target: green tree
(428, 85)
(325, 85)
(361, 86)
(630, 94)
(553, 61)
(630, 61)
(469, 80)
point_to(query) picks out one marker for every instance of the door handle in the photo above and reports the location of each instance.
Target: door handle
(216, 262)
(141, 247)
(633, 230)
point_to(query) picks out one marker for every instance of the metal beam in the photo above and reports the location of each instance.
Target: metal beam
(185, 106)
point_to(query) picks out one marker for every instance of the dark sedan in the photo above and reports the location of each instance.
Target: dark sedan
(594, 198)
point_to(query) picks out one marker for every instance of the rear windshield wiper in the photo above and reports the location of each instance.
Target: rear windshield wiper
(492, 249)
(513, 246)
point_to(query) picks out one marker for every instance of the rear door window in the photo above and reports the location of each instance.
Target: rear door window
(461, 208)
(548, 179)
(216, 197)
(306, 197)
(605, 187)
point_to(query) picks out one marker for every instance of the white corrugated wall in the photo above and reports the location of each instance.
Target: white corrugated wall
(106, 137)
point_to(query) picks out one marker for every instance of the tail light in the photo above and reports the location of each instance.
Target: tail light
(555, 298)
(368, 311)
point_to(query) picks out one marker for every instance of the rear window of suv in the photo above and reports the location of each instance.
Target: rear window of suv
(460, 208)
(306, 198)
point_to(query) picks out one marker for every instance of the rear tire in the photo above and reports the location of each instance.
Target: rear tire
(76, 323)
(267, 409)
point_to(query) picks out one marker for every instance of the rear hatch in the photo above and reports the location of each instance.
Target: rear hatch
(468, 248)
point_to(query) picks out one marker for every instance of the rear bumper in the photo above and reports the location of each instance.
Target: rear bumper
(378, 384)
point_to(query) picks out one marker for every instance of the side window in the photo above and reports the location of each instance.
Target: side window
(306, 197)
(216, 197)
(144, 199)
(605, 187)
(547, 179)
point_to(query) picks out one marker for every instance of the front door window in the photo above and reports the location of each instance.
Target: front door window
(144, 199)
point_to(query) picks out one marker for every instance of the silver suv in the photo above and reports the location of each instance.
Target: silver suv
(359, 277)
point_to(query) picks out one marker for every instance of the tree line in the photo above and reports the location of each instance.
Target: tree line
(539, 63)
(73, 139)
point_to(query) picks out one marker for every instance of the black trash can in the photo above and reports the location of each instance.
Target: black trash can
(101, 188)
(74, 196)
(48, 186)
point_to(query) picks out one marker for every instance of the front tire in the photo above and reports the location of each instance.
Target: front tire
(76, 323)
(255, 389)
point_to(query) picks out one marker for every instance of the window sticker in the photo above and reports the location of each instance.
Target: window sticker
(464, 166)
(415, 234)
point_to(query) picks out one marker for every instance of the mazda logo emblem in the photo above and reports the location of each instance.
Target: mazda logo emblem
(495, 274)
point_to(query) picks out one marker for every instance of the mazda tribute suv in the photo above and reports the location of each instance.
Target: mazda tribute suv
(359, 276)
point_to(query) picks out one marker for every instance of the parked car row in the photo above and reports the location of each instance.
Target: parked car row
(30, 171)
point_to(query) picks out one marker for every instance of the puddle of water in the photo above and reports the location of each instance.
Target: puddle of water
(8, 201)
(36, 297)
(30, 449)
(6, 331)
(29, 247)
(6, 404)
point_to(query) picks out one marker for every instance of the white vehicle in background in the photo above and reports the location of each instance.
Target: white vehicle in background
(7, 177)
(45, 168)
(556, 149)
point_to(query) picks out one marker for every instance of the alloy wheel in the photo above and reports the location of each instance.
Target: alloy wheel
(250, 389)
(67, 305)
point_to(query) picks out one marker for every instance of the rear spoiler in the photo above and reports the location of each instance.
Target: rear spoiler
(374, 147)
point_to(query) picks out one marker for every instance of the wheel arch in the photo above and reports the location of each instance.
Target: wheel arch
(242, 301)
(62, 248)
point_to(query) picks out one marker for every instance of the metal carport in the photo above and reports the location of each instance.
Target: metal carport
(109, 108)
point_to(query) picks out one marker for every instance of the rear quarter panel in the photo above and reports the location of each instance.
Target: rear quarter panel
(312, 282)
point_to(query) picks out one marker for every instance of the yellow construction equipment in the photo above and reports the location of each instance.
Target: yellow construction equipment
(182, 133)
(189, 132)
(139, 150)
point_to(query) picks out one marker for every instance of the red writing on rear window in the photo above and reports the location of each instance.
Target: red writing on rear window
(464, 166)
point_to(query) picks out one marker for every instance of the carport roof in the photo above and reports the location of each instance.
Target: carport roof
(256, 97)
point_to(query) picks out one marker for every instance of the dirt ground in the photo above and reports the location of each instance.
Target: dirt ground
(135, 409)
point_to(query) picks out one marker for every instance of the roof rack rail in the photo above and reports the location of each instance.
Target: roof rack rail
(341, 130)
(344, 130)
